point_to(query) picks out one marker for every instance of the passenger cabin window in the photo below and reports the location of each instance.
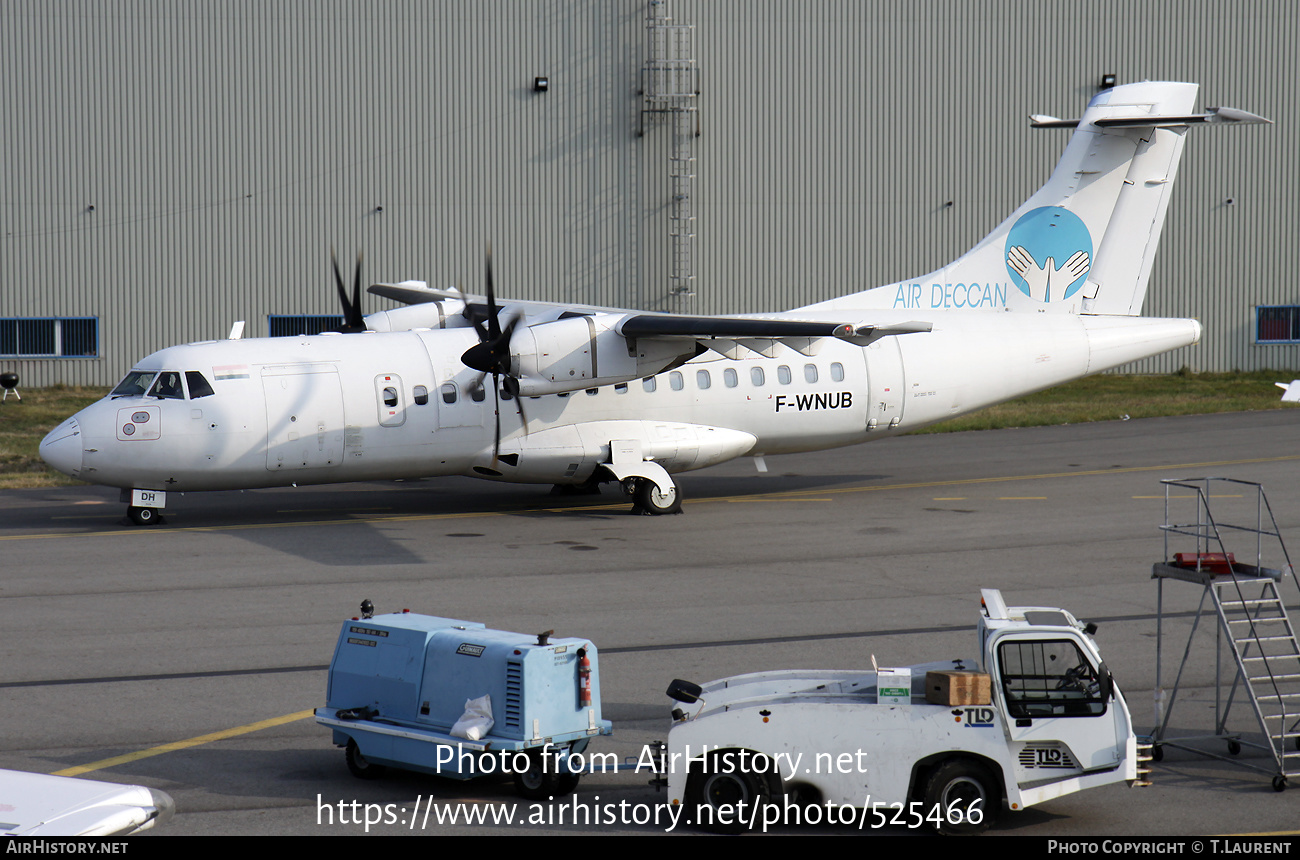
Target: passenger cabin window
(592, 392)
(783, 374)
(390, 396)
(1049, 679)
(757, 377)
(168, 386)
(477, 393)
(810, 373)
(621, 388)
(729, 377)
(702, 379)
(676, 381)
(649, 384)
(198, 385)
(420, 395)
(448, 392)
(837, 371)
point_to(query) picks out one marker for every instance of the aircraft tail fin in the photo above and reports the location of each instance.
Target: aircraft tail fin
(1086, 240)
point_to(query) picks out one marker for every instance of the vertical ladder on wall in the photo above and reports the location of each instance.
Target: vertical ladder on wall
(670, 87)
(1253, 625)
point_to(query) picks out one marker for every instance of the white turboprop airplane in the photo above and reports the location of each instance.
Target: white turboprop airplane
(581, 395)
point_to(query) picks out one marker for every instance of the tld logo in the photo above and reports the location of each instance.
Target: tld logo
(979, 717)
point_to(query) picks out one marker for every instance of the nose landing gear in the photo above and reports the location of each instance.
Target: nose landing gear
(144, 516)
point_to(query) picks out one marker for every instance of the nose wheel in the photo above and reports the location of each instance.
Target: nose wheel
(144, 516)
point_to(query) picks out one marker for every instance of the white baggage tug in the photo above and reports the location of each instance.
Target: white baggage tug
(1038, 717)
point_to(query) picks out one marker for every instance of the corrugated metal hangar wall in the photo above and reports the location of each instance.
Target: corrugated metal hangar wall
(171, 167)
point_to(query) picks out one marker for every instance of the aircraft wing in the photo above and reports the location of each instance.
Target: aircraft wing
(411, 292)
(46, 805)
(729, 335)
(779, 328)
(418, 293)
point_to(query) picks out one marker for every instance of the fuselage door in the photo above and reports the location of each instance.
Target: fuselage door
(304, 416)
(884, 384)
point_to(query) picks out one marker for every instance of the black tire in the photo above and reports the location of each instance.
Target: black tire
(566, 783)
(721, 785)
(1279, 783)
(1157, 753)
(960, 786)
(651, 501)
(357, 763)
(143, 516)
(1234, 748)
(538, 781)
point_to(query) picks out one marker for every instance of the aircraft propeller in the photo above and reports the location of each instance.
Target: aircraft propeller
(353, 321)
(492, 355)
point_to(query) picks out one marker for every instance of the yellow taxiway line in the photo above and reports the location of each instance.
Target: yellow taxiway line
(186, 744)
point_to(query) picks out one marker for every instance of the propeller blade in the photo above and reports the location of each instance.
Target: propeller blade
(338, 283)
(354, 318)
(353, 321)
(494, 324)
(512, 386)
(469, 314)
(496, 407)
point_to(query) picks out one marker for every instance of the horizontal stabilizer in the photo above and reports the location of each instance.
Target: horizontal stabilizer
(1211, 115)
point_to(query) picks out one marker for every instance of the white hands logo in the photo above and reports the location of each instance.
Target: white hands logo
(1048, 282)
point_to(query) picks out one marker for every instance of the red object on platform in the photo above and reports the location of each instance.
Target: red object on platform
(1215, 562)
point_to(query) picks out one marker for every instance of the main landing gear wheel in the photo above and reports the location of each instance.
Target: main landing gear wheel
(966, 795)
(651, 500)
(143, 516)
(357, 763)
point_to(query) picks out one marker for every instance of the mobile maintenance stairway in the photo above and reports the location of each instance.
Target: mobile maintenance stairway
(1252, 621)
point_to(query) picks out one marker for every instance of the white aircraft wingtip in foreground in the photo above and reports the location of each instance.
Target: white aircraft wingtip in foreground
(580, 395)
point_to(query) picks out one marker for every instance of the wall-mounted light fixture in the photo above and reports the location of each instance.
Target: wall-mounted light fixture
(1107, 81)
(541, 85)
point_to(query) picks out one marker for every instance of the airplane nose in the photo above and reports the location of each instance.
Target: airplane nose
(61, 448)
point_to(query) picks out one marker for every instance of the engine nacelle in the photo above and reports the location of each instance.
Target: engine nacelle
(443, 313)
(586, 352)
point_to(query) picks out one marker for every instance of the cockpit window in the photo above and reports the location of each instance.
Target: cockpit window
(198, 384)
(168, 386)
(134, 383)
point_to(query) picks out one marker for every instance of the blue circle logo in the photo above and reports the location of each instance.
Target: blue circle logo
(1049, 253)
